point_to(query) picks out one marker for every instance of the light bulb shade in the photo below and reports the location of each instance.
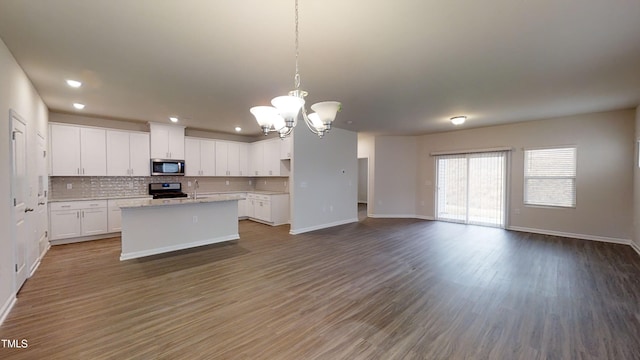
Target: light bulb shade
(266, 116)
(288, 106)
(279, 123)
(458, 120)
(316, 122)
(326, 111)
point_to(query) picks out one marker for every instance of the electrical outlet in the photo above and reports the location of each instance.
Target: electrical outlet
(69, 186)
(285, 183)
(189, 183)
(249, 182)
(227, 182)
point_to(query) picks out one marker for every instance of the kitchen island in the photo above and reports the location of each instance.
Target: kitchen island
(155, 226)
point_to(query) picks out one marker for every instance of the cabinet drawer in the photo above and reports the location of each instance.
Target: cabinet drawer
(77, 205)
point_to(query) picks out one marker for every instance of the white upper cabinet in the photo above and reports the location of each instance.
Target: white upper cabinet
(228, 159)
(286, 148)
(272, 157)
(200, 157)
(167, 141)
(256, 156)
(127, 153)
(243, 159)
(78, 151)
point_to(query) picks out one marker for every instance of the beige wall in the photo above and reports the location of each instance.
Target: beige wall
(636, 184)
(396, 175)
(605, 143)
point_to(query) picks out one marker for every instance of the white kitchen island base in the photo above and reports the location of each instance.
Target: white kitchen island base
(151, 227)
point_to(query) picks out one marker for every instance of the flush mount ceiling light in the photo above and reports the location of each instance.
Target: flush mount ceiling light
(78, 106)
(458, 120)
(173, 119)
(283, 115)
(238, 129)
(74, 83)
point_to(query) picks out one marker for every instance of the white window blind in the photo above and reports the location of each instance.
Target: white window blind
(550, 177)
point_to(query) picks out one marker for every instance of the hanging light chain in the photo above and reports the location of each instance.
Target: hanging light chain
(296, 79)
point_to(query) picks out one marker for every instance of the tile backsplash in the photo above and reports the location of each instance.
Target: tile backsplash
(78, 187)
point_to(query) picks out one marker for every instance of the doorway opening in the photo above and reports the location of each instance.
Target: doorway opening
(363, 184)
(472, 188)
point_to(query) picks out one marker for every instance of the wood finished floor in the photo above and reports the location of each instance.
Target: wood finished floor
(378, 289)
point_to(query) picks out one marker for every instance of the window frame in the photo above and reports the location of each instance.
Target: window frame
(574, 178)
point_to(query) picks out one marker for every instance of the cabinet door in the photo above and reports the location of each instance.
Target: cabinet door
(263, 210)
(65, 150)
(250, 208)
(118, 153)
(114, 219)
(242, 208)
(243, 159)
(176, 143)
(207, 158)
(93, 152)
(222, 149)
(192, 157)
(233, 159)
(139, 158)
(159, 141)
(286, 145)
(64, 224)
(272, 157)
(257, 159)
(94, 221)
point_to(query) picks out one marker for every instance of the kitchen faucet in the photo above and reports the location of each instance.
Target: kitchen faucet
(195, 189)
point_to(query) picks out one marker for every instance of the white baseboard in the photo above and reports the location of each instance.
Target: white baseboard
(401, 216)
(84, 238)
(635, 247)
(393, 216)
(423, 217)
(322, 226)
(6, 307)
(572, 235)
(139, 254)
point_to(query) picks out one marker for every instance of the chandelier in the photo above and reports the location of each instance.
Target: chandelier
(283, 116)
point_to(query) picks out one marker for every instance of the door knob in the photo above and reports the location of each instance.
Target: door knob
(28, 210)
(40, 203)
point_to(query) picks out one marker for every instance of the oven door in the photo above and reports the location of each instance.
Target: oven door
(167, 167)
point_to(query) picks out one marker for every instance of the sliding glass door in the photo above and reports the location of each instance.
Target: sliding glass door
(471, 188)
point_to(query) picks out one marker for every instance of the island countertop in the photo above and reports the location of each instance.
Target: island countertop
(125, 204)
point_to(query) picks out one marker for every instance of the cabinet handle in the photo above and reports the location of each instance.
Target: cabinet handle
(78, 171)
(82, 171)
(78, 214)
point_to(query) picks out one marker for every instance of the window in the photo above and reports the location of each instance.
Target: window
(550, 177)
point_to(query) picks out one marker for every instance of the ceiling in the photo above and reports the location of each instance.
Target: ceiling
(398, 67)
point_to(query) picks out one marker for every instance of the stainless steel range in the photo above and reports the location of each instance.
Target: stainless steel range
(166, 190)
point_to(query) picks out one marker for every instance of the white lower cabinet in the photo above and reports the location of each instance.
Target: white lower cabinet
(270, 209)
(71, 219)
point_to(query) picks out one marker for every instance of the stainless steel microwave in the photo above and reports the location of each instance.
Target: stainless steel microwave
(167, 167)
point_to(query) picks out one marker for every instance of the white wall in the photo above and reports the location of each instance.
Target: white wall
(395, 176)
(605, 143)
(324, 174)
(17, 93)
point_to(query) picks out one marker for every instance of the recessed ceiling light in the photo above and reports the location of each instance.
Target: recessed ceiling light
(78, 106)
(173, 119)
(238, 129)
(74, 83)
(458, 120)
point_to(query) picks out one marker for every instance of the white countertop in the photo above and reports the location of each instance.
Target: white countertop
(203, 193)
(178, 201)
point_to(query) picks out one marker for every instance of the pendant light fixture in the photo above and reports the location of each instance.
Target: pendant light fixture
(283, 116)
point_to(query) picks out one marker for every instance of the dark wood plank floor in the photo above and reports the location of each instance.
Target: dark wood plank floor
(378, 289)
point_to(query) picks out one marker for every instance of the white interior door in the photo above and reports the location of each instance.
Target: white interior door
(19, 188)
(471, 188)
(43, 189)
